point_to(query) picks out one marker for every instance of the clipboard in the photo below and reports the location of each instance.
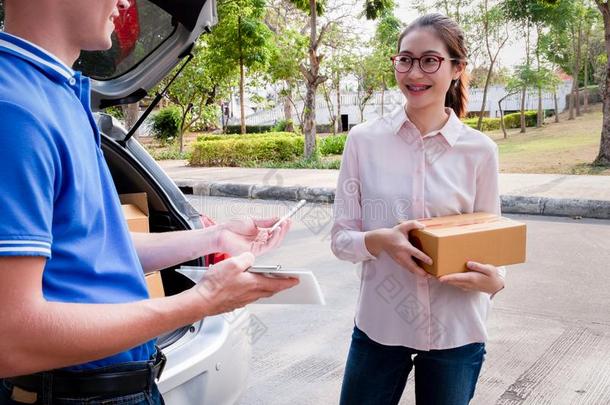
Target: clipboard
(307, 292)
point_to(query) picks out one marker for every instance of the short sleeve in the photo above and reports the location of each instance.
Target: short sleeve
(29, 165)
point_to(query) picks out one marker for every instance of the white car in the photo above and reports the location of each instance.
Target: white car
(207, 362)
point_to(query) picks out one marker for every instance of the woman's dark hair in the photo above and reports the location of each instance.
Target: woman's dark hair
(452, 35)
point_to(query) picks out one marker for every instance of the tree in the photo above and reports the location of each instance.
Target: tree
(603, 158)
(340, 64)
(290, 46)
(369, 72)
(290, 49)
(530, 13)
(311, 69)
(199, 87)
(131, 112)
(384, 42)
(241, 39)
(453, 9)
(496, 34)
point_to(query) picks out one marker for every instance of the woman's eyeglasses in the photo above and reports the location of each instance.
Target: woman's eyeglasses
(427, 63)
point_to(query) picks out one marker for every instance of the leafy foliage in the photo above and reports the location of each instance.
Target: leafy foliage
(239, 151)
(166, 124)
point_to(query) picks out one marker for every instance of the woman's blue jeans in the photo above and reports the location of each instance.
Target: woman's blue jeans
(376, 374)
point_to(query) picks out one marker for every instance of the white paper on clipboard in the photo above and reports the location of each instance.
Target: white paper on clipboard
(306, 292)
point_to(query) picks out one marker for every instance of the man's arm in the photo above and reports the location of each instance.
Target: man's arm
(39, 335)
(158, 251)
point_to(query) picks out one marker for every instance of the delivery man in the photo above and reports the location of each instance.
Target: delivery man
(76, 320)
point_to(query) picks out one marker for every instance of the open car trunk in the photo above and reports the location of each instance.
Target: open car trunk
(134, 171)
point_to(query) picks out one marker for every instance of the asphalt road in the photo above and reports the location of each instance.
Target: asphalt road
(549, 329)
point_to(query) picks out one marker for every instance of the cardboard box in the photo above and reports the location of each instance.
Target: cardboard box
(481, 237)
(135, 210)
(154, 285)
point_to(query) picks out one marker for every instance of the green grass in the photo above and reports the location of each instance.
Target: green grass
(567, 147)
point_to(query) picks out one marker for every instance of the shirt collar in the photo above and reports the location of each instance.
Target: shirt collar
(450, 131)
(37, 56)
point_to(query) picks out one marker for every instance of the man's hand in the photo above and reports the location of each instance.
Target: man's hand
(395, 241)
(227, 286)
(250, 235)
(481, 277)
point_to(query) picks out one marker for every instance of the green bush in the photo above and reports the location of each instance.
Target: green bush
(488, 124)
(209, 137)
(116, 111)
(332, 145)
(514, 120)
(510, 121)
(208, 118)
(250, 129)
(166, 124)
(237, 151)
(281, 125)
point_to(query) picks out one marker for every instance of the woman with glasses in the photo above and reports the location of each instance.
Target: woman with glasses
(420, 161)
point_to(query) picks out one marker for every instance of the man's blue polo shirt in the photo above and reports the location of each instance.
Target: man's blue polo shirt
(57, 197)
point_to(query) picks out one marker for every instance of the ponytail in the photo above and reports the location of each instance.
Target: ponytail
(457, 95)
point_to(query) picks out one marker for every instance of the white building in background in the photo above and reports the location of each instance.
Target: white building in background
(394, 98)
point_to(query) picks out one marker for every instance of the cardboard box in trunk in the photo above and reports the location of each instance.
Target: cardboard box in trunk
(481, 237)
(135, 210)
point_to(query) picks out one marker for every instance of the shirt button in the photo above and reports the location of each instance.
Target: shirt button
(72, 81)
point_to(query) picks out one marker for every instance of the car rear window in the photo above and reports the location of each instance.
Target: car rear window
(138, 32)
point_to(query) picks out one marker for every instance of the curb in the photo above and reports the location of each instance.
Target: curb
(511, 204)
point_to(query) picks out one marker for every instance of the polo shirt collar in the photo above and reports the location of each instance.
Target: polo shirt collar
(37, 56)
(450, 131)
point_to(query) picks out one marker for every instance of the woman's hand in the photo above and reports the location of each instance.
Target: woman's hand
(481, 277)
(250, 235)
(395, 241)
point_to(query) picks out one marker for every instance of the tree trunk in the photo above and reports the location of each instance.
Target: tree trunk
(485, 90)
(571, 102)
(522, 117)
(339, 122)
(182, 125)
(575, 68)
(556, 106)
(288, 109)
(603, 158)
(524, 90)
(540, 114)
(586, 92)
(382, 96)
(578, 59)
(131, 113)
(313, 81)
(332, 117)
(502, 118)
(242, 110)
(309, 127)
